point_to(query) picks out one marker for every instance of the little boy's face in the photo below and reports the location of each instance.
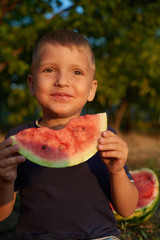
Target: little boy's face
(62, 80)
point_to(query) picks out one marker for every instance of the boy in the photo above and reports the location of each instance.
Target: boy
(69, 203)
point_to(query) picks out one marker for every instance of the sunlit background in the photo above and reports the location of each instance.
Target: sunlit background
(125, 37)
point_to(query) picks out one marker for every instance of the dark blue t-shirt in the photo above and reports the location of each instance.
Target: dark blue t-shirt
(64, 204)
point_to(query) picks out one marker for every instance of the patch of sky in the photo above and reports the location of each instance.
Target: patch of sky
(24, 21)
(97, 42)
(140, 10)
(79, 9)
(58, 8)
(157, 33)
(17, 86)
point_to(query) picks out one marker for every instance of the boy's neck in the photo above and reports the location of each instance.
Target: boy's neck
(55, 124)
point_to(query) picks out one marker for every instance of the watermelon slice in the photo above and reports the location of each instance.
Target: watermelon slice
(148, 187)
(72, 145)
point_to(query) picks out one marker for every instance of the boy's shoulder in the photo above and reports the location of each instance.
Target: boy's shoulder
(111, 129)
(19, 128)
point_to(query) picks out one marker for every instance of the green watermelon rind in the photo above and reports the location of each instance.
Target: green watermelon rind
(56, 164)
(72, 161)
(141, 214)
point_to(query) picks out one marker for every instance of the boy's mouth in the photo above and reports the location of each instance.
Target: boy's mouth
(60, 95)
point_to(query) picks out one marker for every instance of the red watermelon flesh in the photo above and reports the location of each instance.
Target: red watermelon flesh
(147, 187)
(147, 184)
(73, 144)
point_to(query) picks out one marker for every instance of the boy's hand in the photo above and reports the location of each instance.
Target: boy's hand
(113, 151)
(9, 160)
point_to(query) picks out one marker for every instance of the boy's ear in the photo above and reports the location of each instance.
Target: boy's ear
(93, 90)
(30, 84)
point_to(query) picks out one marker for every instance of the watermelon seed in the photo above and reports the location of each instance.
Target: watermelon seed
(61, 147)
(44, 146)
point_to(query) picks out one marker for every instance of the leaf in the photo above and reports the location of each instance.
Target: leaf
(144, 234)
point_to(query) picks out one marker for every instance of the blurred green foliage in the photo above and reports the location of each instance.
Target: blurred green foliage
(125, 36)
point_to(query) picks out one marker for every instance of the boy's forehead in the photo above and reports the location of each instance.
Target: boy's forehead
(81, 49)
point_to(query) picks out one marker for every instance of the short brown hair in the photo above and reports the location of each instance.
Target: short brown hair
(67, 38)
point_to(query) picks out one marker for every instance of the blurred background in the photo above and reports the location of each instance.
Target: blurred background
(125, 37)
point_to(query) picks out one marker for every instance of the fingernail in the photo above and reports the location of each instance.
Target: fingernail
(105, 133)
(23, 158)
(9, 140)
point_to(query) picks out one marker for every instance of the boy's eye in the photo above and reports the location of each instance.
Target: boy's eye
(77, 72)
(49, 70)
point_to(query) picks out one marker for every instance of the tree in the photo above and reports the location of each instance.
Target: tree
(125, 37)
(21, 24)
(126, 40)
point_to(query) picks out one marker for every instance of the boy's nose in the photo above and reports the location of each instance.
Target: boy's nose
(62, 80)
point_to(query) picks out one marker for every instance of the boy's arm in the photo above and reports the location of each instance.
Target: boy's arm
(124, 194)
(9, 160)
(6, 210)
(114, 152)
(7, 198)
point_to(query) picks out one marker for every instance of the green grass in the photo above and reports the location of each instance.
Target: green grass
(146, 231)
(149, 230)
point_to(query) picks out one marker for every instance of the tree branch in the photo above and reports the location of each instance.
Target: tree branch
(15, 53)
(62, 11)
(5, 8)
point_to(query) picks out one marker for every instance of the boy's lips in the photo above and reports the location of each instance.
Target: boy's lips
(61, 95)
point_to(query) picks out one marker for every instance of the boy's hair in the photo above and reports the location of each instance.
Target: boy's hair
(67, 38)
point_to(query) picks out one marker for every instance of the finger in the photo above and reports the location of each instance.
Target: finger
(8, 151)
(9, 173)
(112, 139)
(113, 154)
(107, 160)
(5, 143)
(11, 161)
(110, 147)
(108, 133)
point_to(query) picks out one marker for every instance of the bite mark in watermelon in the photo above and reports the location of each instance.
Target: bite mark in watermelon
(72, 145)
(147, 184)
